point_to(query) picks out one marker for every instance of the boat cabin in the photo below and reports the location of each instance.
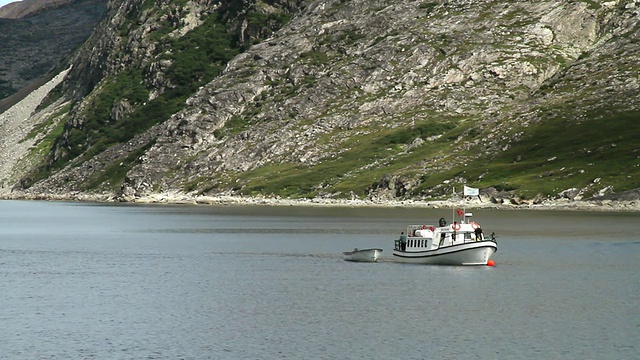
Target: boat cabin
(430, 237)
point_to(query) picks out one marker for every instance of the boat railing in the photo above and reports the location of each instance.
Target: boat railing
(446, 237)
(398, 245)
(443, 237)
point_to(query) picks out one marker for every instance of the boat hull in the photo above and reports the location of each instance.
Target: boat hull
(363, 255)
(473, 253)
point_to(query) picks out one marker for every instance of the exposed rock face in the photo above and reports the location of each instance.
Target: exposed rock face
(467, 58)
(341, 72)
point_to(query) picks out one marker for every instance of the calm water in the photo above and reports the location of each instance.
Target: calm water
(87, 281)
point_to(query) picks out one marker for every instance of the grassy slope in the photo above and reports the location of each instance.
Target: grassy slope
(550, 157)
(555, 155)
(367, 159)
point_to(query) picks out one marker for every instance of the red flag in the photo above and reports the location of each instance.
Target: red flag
(460, 212)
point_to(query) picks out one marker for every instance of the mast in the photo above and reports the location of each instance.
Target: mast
(453, 210)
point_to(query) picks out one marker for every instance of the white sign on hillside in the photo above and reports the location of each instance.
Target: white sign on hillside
(469, 191)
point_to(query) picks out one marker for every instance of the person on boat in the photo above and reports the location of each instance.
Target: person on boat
(403, 241)
(478, 232)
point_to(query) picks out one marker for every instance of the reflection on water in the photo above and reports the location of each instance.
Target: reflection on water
(103, 281)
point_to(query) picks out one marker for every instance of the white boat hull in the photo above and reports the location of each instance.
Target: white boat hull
(363, 255)
(472, 253)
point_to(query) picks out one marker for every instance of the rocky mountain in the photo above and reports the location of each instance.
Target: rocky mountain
(26, 8)
(37, 35)
(393, 99)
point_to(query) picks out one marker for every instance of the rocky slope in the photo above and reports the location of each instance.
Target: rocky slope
(378, 100)
(37, 35)
(26, 8)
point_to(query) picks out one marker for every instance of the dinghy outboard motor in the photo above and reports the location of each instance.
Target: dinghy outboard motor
(442, 222)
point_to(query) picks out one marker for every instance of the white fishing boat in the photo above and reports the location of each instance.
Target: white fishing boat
(362, 255)
(460, 243)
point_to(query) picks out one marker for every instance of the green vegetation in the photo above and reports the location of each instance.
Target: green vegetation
(348, 37)
(258, 21)
(428, 6)
(407, 135)
(548, 158)
(199, 56)
(314, 57)
(365, 160)
(592, 4)
(558, 155)
(100, 130)
(113, 174)
(48, 129)
(196, 59)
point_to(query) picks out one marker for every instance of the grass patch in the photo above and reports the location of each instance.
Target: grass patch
(314, 57)
(52, 123)
(113, 175)
(551, 157)
(421, 130)
(592, 4)
(557, 155)
(428, 6)
(367, 159)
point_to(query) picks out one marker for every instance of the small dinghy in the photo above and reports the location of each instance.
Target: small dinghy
(362, 255)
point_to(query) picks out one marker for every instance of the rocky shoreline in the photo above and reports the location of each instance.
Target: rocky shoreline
(482, 203)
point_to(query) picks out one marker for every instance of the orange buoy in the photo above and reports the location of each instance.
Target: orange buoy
(491, 263)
